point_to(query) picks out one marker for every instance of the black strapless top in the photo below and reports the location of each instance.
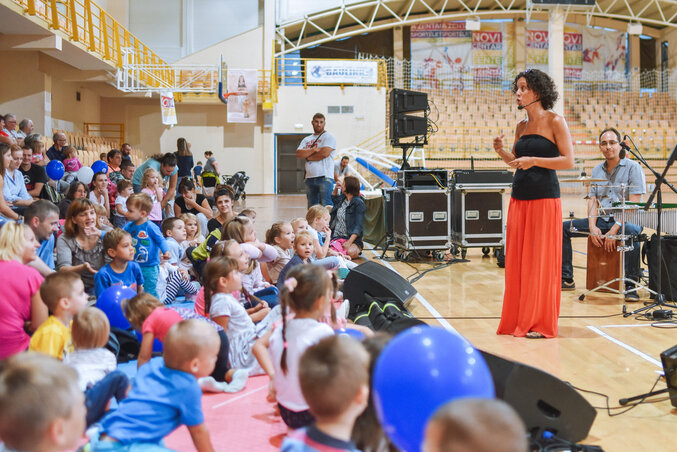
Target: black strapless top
(536, 182)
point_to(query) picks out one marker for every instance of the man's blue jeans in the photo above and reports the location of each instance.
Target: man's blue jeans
(631, 257)
(319, 191)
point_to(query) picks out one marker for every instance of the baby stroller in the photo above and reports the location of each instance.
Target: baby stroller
(238, 181)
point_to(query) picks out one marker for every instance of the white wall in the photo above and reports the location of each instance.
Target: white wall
(176, 28)
(297, 106)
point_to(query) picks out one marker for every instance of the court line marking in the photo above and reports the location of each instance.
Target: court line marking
(418, 296)
(625, 326)
(241, 396)
(626, 346)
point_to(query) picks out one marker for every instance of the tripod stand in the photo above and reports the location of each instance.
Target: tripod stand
(622, 247)
(659, 301)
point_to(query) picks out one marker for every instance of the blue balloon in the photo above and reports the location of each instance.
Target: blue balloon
(55, 170)
(420, 370)
(359, 335)
(100, 167)
(110, 302)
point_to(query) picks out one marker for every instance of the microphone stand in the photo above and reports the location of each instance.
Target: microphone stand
(659, 302)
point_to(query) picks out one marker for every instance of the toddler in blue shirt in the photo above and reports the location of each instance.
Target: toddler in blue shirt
(165, 394)
(122, 270)
(147, 240)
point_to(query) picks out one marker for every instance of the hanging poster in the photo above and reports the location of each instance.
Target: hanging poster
(441, 53)
(168, 108)
(242, 104)
(585, 49)
(487, 52)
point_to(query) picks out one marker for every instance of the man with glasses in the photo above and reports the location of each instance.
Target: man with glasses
(56, 151)
(601, 223)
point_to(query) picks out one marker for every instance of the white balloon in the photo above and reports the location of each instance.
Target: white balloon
(85, 175)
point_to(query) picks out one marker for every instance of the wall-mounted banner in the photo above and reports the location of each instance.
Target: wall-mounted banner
(585, 49)
(338, 72)
(168, 108)
(242, 107)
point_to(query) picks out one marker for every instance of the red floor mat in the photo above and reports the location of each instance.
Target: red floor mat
(243, 421)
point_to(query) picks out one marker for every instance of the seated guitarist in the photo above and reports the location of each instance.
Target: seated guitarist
(617, 170)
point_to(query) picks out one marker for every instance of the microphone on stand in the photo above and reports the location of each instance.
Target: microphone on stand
(522, 107)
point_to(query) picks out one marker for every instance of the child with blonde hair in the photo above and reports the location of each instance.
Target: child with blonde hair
(71, 163)
(147, 240)
(221, 278)
(241, 229)
(193, 235)
(96, 366)
(303, 254)
(281, 237)
(153, 319)
(299, 224)
(41, 407)
(150, 185)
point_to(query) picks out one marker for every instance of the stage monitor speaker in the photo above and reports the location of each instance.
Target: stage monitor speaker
(669, 360)
(376, 281)
(543, 401)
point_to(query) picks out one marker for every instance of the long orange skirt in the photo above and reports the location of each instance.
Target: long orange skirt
(533, 268)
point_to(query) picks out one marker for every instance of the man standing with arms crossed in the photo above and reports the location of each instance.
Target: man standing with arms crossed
(318, 151)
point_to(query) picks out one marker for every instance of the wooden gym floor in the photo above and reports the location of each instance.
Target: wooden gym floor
(597, 348)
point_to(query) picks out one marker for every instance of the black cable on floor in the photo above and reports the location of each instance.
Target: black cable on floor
(627, 408)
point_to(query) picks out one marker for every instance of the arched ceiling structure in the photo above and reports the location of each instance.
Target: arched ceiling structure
(373, 15)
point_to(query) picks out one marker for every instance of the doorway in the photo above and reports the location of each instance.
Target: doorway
(290, 169)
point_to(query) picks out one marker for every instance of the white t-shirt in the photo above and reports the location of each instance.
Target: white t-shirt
(101, 200)
(300, 334)
(92, 365)
(347, 171)
(120, 201)
(324, 167)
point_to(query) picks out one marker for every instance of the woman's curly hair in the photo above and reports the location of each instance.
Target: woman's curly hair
(541, 84)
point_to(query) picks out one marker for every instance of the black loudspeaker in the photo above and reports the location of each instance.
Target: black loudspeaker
(669, 360)
(543, 401)
(377, 281)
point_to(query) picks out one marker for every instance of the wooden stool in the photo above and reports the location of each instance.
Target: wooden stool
(602, 266)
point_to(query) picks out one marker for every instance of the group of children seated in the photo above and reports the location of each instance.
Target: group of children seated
(259, 308)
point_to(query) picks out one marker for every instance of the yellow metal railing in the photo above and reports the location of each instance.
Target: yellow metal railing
(87, 24)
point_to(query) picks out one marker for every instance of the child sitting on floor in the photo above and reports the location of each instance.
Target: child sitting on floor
(147, 315)
(98, 376)
(281, 237)
(41, 408)
(255, 307)
(307, 293)
(165, 394)
(221, 279)
(241, 229)
(121, 270)
(303, 254)
(334, 380)
(65, 296)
